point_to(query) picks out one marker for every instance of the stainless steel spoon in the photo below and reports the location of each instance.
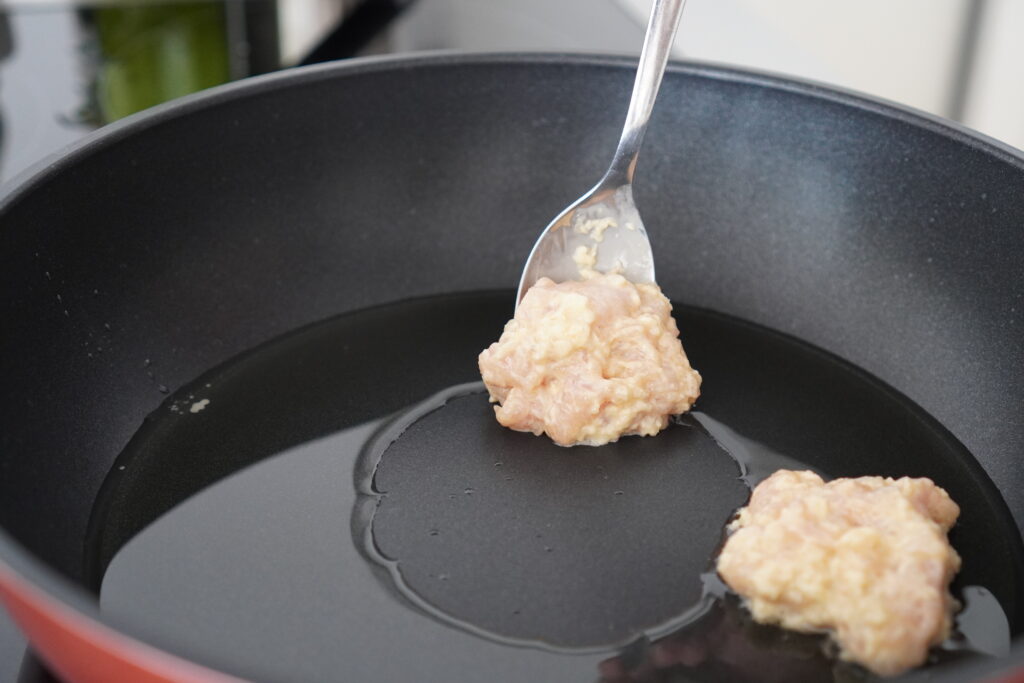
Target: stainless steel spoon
(602, 230)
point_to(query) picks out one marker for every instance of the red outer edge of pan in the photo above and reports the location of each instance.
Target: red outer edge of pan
(82, 650)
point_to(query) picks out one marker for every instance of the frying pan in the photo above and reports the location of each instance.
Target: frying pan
(186, 235)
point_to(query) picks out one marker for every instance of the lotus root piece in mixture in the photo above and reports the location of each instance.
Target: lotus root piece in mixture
(866, 558)
(589, 361)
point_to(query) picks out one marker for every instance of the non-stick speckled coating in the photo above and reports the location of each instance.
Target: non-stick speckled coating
(174, 241)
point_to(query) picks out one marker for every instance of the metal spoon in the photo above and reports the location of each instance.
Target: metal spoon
(605, 220)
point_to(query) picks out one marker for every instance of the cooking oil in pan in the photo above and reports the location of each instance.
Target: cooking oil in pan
(301, 513)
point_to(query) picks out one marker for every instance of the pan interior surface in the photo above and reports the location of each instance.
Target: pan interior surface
(171, 244)
(265, 521)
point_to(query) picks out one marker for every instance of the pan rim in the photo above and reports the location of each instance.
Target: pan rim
(25, 566)
(111, 133)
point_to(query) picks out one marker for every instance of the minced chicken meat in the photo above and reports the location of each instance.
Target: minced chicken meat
(866, 559)
(589, 361)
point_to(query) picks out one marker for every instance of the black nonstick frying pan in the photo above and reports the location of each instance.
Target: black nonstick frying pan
(274, 270)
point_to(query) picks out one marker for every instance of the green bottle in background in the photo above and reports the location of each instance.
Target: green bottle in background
(150, 53)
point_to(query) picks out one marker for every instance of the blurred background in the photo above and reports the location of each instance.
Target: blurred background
(69, 67)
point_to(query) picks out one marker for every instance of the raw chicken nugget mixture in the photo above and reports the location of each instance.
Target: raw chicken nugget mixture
(866, 558)
(589, 361)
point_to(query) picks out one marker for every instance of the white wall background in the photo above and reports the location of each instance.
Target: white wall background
(995, 103)
(908, 51)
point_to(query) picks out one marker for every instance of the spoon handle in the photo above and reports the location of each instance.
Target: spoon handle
(661, 30)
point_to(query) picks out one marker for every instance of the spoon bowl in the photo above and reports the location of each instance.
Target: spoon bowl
(602, 232)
